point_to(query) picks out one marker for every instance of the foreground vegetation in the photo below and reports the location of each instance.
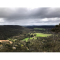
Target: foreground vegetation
(41, 44)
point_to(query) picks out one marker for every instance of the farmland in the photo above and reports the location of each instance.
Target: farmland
(37, 35)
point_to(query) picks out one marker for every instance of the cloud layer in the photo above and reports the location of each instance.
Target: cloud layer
(25, 16)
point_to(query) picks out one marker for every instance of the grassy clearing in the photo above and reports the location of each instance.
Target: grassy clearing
(26, 39)
(42, 35)
(37, 35)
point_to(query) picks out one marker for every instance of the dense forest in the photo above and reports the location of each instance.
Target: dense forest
(7, 31)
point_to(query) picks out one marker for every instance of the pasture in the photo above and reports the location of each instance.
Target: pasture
(42, 35)
(37, 35)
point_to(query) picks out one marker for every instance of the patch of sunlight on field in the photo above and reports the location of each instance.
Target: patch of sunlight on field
(42, 35)
(37, 35)
(31, 38)
(26, 39)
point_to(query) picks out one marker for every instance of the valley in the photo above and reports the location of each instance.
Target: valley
(29, 39)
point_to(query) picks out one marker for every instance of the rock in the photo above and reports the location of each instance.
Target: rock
(6, 41)
(14, 48)
(11, 42)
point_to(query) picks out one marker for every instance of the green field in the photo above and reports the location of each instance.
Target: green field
(26, 39)
(42, 35)
(37, 35)
(39, 29)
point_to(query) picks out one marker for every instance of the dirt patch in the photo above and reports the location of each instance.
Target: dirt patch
(6, 41)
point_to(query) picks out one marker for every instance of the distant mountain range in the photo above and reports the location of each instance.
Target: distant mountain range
(40, 26)
(28, 26)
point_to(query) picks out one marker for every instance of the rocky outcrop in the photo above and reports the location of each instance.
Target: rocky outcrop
(6, 41)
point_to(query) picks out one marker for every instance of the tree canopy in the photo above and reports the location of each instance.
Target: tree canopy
(56, 29)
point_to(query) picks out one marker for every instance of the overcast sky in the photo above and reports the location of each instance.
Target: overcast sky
(29, 16)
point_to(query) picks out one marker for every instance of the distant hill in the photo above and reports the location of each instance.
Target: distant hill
(7, 31)
(41, 26)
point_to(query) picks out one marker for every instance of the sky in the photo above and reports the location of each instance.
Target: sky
(30, 13)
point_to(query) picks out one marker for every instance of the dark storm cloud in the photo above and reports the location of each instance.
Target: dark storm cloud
(46, 13)
(21, 12)
(27, 16)
(13, 14)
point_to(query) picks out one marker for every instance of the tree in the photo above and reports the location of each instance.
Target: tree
(32, 35)
(56, 25)
(56, 29)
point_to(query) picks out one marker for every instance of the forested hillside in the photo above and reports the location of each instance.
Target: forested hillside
(7, 31)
